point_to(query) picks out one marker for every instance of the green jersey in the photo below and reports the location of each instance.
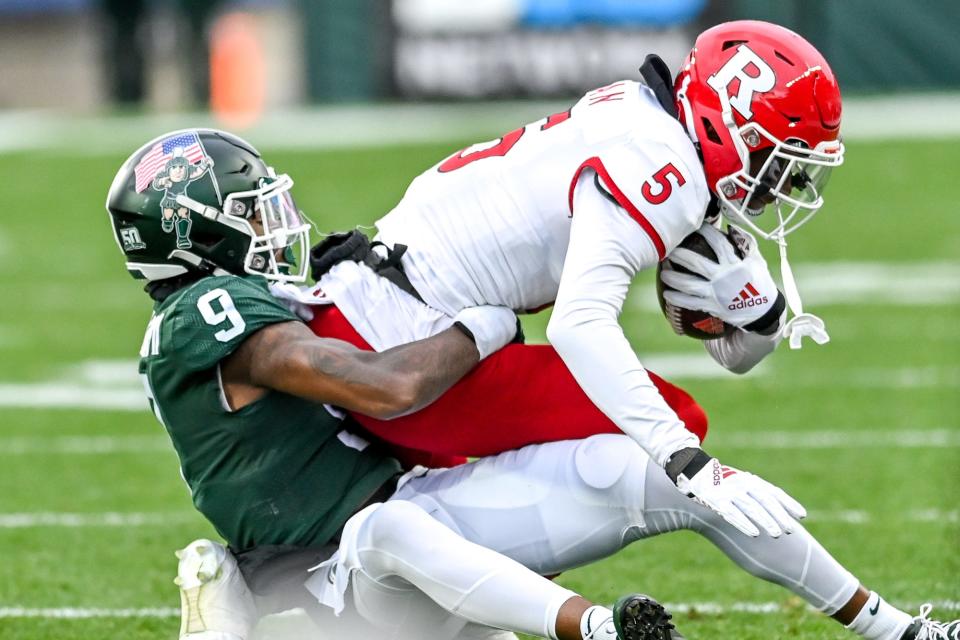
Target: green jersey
(278, 471)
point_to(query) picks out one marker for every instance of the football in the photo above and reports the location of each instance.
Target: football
(687, 322)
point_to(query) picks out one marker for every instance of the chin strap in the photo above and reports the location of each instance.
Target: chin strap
(801, 324)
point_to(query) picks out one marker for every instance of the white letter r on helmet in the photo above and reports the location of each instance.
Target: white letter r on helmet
(736, 67)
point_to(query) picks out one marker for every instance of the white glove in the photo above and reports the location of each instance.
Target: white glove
(742, 499)
(739, 291)
(490, 327)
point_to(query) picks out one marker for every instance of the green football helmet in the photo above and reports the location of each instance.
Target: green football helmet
(203, 201)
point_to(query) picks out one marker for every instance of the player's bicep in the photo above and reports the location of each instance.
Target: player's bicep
(606, 247)
(605, 251)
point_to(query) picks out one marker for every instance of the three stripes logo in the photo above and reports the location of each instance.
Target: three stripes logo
(711, 325)
(749, 297)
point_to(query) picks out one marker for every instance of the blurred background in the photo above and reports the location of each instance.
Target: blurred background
(83, 55)
(246, 58)
(354, 98)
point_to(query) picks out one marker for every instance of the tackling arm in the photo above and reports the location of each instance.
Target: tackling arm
(287, 357)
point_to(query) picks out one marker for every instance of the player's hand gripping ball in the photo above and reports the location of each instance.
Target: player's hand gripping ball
(688, 322)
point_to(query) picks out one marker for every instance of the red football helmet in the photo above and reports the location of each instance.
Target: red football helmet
(764, 108)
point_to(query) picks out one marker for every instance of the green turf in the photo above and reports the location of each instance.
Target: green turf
(67, 299)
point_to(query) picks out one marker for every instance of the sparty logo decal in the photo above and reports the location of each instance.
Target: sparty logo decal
(170, 166)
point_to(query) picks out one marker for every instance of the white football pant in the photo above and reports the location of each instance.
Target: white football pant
(551, 508)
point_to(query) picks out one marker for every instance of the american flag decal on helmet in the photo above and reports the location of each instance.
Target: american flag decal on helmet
(185, 144)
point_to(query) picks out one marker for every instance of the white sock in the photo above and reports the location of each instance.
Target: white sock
(597, 624)
(879, 620)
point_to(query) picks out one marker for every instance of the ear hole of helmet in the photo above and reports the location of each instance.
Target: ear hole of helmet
(711, 132)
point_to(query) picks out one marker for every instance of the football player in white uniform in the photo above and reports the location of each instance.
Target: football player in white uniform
(568, 209)
(633, 187)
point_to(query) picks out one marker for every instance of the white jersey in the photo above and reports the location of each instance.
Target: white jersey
(491, 224)
(565, 211)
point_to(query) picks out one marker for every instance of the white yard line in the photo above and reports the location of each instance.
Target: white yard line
(672, 366)
(53, 394)
(106, 519)
(71, 396)
(718, 608)
(74, 613)
(112, 519)
(838, 438)
(860, 517)
(907, 284)
(760, 439)
(706, 608)
(106, 373)
(91, 384)
(693, 366)
(83, 445)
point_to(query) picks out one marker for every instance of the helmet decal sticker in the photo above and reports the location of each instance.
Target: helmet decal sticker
(203, 200)
(130, 237)
(170, 166)
(754, 76)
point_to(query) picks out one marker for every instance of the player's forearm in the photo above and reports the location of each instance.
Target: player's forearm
(427, 368)
(288, 358)
(742, 350)
(387, 384)
(609, 372)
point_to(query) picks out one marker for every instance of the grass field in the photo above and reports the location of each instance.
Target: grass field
(864, 431)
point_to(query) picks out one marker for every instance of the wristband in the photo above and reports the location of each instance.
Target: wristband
(769, 323)
(686, 462)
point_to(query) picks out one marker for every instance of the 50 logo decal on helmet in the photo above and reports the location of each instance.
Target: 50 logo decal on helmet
(664, 187)
(753, 73)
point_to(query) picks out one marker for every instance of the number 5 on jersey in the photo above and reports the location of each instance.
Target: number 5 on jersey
(658, 188)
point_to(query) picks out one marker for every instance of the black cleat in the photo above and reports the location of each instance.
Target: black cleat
(640, 617)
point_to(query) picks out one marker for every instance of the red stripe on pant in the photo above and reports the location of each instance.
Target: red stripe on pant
(521, 395)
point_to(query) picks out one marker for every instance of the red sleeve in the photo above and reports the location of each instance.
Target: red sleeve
(521, 395)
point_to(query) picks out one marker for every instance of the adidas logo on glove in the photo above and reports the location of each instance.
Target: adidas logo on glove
(749, 297)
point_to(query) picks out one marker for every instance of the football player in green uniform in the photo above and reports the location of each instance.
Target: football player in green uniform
(246, 393)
